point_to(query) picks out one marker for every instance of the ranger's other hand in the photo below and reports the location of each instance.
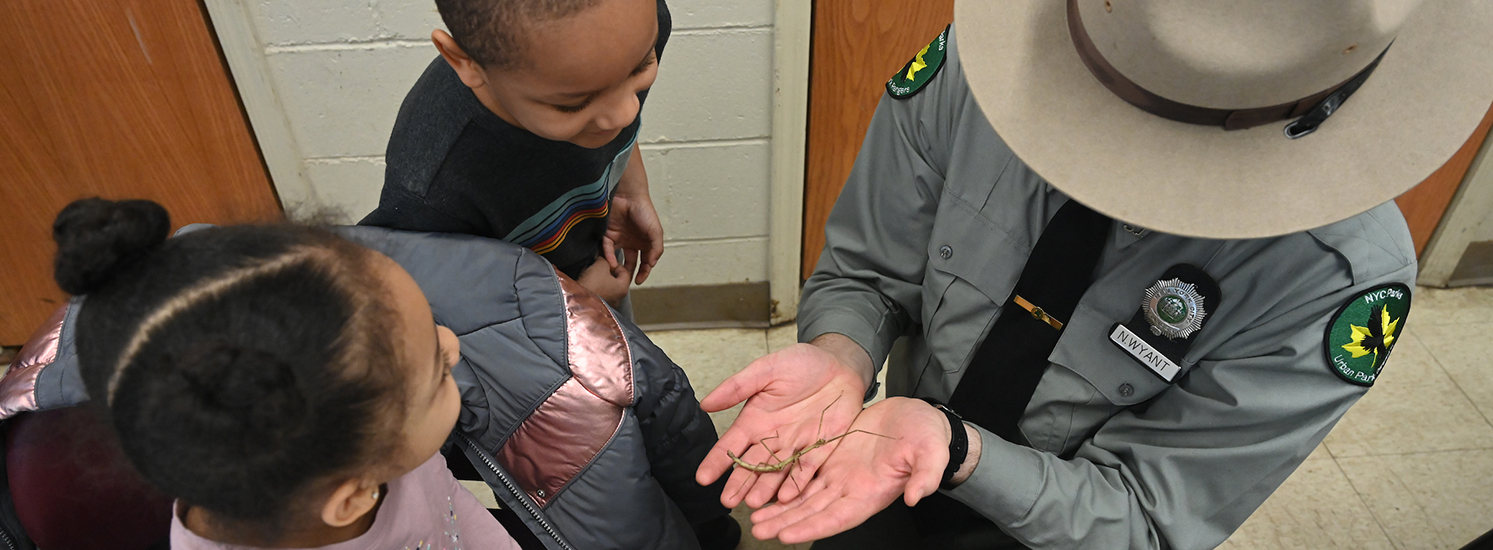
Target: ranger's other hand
(899, 446)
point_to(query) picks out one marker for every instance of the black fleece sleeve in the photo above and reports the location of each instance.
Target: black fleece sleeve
(677, 432)
(400, 209)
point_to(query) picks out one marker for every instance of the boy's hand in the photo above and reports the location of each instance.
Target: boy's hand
(609, 283)
(633, 223)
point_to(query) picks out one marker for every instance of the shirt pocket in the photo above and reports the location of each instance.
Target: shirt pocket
(973, 265)
(1086, 350)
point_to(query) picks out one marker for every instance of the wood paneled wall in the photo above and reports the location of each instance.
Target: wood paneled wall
(119, 99)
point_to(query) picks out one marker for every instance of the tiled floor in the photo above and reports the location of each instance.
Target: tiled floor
(1410, 466)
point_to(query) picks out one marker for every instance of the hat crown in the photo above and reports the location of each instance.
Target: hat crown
(1241, 54)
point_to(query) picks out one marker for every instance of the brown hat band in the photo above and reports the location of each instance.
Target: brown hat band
(1148, 101)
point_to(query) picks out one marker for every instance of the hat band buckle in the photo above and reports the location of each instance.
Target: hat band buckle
(1310, 111)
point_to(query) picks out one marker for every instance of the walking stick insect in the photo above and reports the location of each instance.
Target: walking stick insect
(782, 464)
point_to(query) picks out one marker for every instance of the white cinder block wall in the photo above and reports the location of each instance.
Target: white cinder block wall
(340, 69)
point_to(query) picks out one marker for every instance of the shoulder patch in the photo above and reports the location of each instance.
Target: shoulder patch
(1364, 331)
(920, 69)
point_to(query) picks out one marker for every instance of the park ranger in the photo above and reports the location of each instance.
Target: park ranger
(1136, 257)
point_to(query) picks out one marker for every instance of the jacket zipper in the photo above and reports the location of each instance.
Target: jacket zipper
(9, 543)
(518, 495)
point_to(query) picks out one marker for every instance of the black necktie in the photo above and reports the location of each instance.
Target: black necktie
(1005, 370)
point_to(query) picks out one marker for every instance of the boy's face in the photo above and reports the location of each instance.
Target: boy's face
(579, 76)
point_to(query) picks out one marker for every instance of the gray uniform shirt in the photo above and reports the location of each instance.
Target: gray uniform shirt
(924, 246)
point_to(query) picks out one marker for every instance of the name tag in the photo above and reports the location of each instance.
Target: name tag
(1145, 353)
(1173, 310)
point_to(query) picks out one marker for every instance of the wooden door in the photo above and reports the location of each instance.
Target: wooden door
(858, 44)
(119, 99)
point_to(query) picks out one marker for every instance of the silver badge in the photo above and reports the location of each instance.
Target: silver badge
(1174, 309)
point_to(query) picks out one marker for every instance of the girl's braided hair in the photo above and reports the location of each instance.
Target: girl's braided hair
(243, 367)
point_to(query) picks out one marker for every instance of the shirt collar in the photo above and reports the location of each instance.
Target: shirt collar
(1127, 234)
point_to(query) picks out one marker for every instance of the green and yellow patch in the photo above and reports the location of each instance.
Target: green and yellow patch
(920, 69)
(1365, 330)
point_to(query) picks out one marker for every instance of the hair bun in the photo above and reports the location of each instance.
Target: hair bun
(97, 238)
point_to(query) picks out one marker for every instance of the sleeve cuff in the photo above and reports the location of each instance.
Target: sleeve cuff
(851, 324)
(857, 329)
(1005, 485)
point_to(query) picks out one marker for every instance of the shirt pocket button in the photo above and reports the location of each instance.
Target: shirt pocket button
(945, 252)
(1126, 390)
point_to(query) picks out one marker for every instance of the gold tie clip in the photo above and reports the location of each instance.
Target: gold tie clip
(1038, 314)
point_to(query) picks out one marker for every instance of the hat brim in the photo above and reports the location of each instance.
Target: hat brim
(1421, 104)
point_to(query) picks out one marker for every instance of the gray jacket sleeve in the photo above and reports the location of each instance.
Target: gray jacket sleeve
(676, 431)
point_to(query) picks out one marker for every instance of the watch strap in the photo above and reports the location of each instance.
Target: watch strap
(958, 442)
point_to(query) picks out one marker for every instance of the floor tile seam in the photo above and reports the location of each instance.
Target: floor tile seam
(1363, 501)
(1413, 453)
(1449, 376)
(1417, 502)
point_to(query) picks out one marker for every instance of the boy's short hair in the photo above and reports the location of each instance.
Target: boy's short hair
(491, 31)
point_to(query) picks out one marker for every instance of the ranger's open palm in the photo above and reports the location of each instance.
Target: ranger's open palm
(904, 454)
(787, 393)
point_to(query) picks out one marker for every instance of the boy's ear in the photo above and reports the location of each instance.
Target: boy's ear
(349, 501)
(470, 72)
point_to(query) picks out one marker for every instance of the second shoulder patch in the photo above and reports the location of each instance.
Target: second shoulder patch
(920, 69)
(1364, 331)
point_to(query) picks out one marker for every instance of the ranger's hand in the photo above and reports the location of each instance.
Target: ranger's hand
(794, 397)
(902, 451)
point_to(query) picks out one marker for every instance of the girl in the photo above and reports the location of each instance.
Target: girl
(288, 387)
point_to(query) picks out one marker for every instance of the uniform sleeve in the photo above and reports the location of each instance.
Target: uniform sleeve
(1187, 468)
(868, 282)
(676, 431)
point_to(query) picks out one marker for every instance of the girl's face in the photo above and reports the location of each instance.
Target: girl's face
(428, 352)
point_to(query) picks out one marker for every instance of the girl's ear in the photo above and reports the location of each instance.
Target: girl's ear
(467, 68)
(349, 501)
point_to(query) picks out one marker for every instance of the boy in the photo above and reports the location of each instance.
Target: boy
(525, 130)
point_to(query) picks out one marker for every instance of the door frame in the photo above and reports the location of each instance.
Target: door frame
(1469, 207)
(250, 74)
(793, 26)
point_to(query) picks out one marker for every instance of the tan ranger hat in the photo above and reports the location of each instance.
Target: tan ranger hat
(1089, 93)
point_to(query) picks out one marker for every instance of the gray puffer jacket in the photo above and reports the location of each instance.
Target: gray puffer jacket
(576, 420)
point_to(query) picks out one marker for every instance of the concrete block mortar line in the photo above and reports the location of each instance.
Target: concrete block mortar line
(389, 40)
(378, 19)
(717, 240)
(346, 45)
(721, 29)
(344, 160)
(665, 143)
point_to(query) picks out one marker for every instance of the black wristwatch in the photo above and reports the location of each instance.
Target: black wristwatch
(958, 442)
